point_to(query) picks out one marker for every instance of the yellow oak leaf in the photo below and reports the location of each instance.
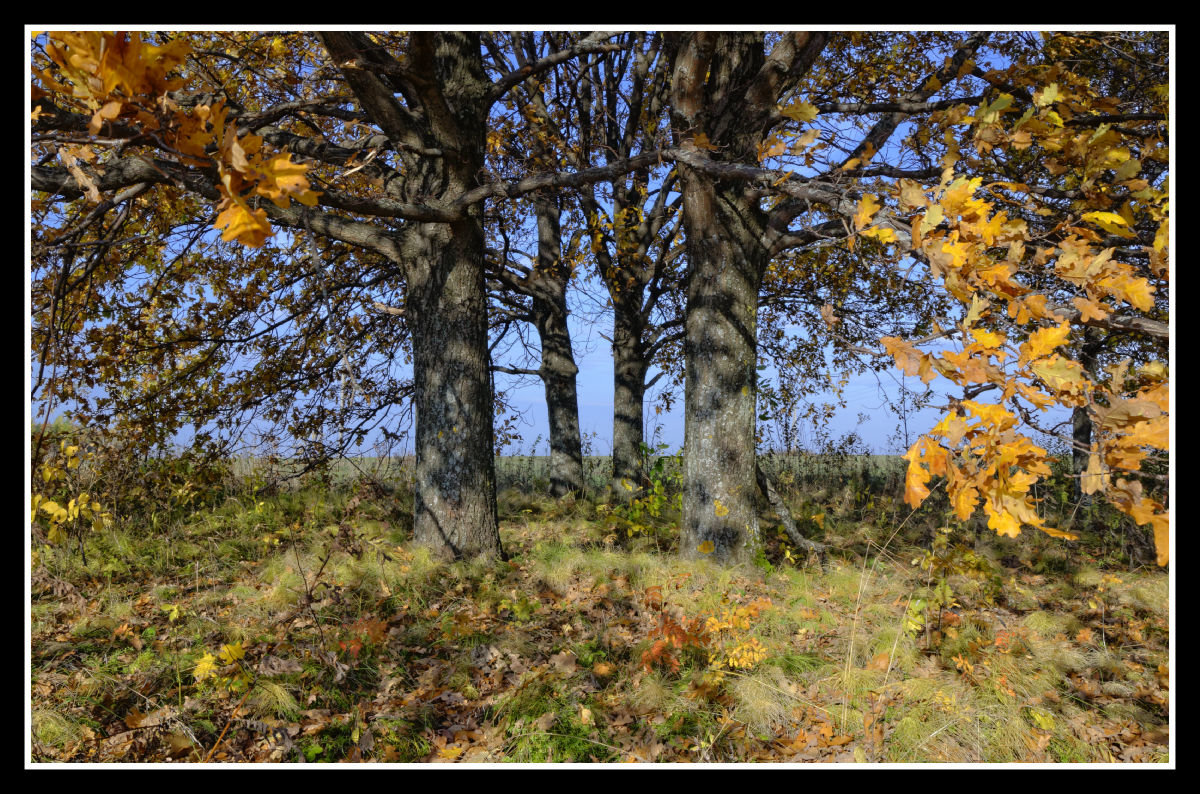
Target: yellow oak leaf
(978, 306)
(957, 199)
(1043, 341)
(206, 667)
(282, 178)
(1004, 522)
(952, 427)
(1092, 479)
(1047, 95)
(912, 195)
(231, 653)
(1061, 534)
(800, 111)
(964, 497)
(1138, 292)
(1090, 309)
(909, 359)
(989, 340)
(991, 414)
(1123, 413)
(1110, 222)
(1060, 374)
(867, 207)
(915, 477)
(884, 234)
(248, 227)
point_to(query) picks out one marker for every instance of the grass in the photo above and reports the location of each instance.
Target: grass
(360, 646)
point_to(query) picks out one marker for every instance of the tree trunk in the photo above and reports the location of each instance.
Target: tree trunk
(455, 504)
(727, 261)
(1081, 434)
(558, 367)
(629, 393)
(717, 91)
(1081, 421)
(455, 510)
(455, 500)
(562, 406)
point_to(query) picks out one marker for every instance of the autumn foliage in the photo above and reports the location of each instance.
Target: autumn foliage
(1027, 288)
(1045, 218)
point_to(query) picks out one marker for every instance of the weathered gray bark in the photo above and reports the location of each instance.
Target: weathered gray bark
(727, 260)
(629, 394)
(455, 498)
(558, 368)
(446, 305)
(725, 87)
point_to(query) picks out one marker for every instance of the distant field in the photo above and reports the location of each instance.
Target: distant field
(532, 472)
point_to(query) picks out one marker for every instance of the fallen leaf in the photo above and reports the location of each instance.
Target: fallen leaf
(880, 662)
(564, 662)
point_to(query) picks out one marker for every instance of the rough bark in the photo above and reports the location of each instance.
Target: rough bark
(725, 87)
(446, 305)
(455, 489)
(629, 393)
(727, 261)
(558, 368)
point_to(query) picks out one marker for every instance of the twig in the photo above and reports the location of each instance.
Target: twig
(228, 722)
(785, 517)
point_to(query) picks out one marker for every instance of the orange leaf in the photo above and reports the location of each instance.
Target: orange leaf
(248, 227)
(282, 178)
(867, 207)
(1043, 341)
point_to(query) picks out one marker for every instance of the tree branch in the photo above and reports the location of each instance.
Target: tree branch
(593, 43)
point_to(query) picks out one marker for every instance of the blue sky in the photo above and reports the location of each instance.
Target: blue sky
(866, 394)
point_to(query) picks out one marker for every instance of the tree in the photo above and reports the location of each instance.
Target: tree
(1093, 180)
(423, 101)
(1023, 180)
(542, 288)
(631, 222)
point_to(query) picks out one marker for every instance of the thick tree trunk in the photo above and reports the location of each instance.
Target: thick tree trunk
(558, 367)
(629, 392)
(727, 261)
(455, 510)
(722, 88)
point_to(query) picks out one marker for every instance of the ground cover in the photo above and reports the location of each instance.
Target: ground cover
(301, 625)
